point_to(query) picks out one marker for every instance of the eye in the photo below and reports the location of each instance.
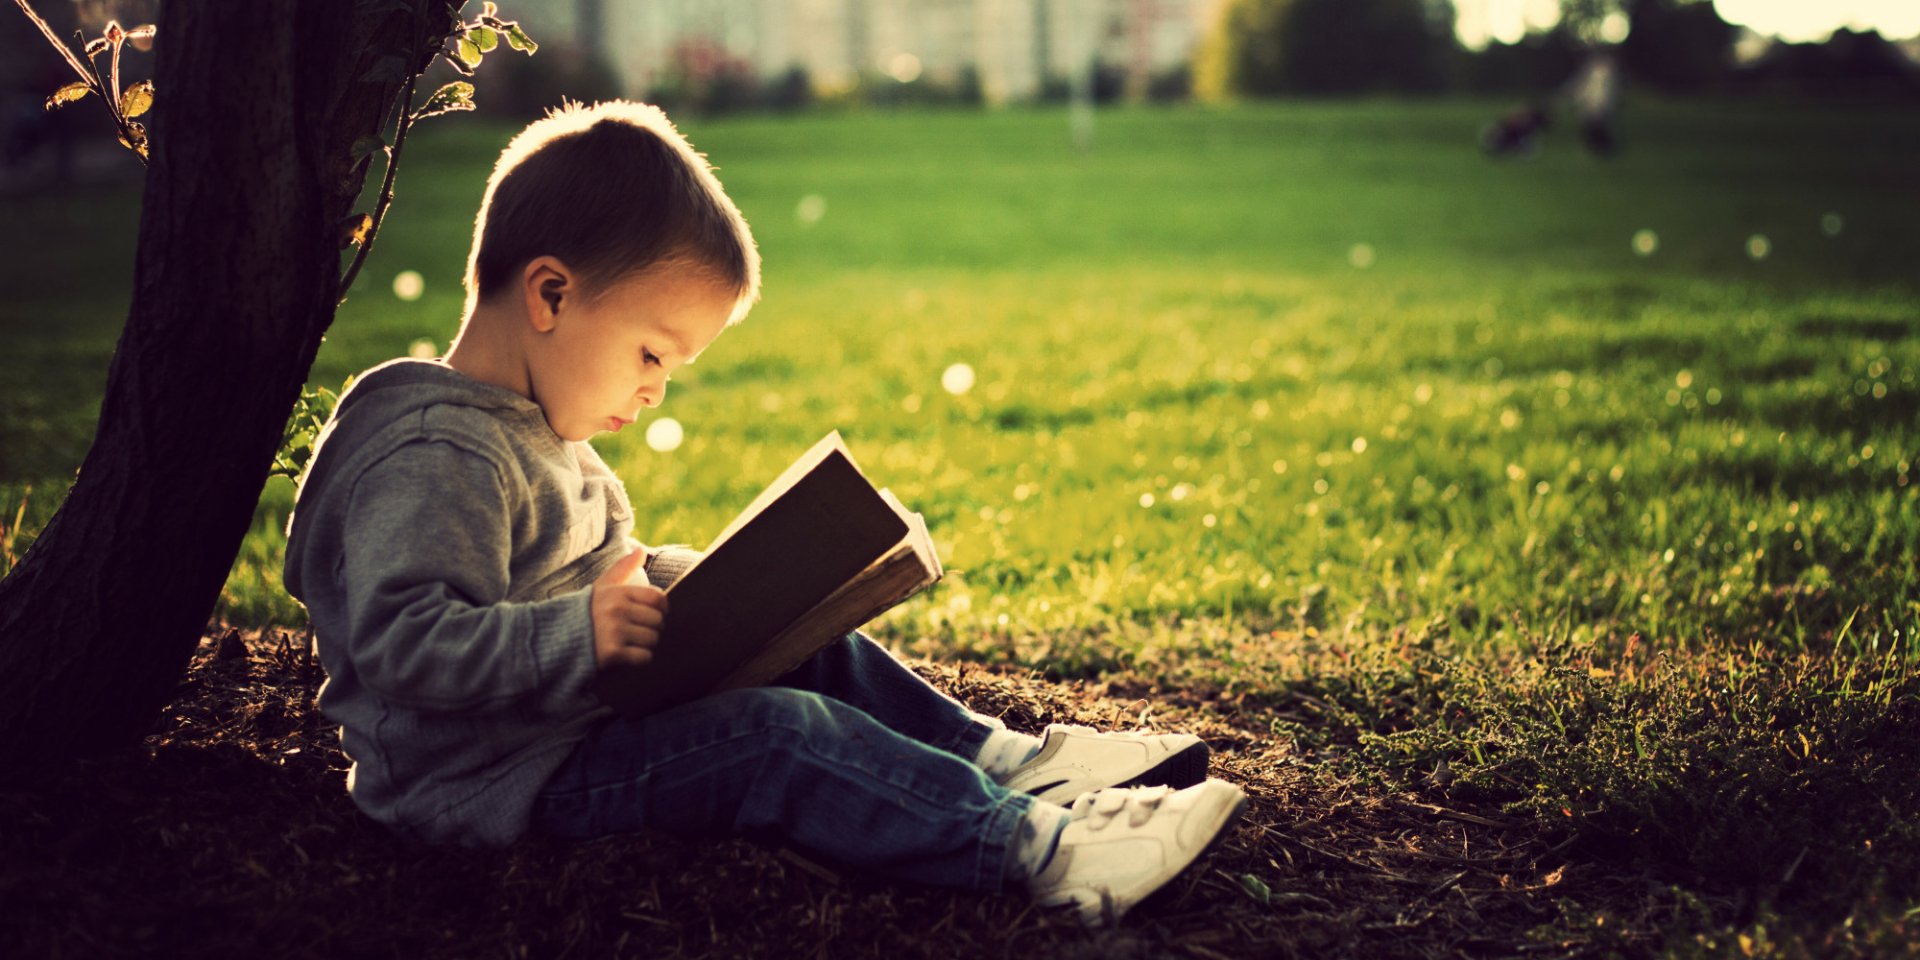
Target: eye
(646, 356)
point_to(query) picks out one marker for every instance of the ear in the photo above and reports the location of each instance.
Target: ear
(546, 286)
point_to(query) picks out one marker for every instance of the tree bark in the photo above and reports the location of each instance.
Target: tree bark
(258, 106)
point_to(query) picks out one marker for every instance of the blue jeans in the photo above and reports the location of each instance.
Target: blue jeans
(850, 757)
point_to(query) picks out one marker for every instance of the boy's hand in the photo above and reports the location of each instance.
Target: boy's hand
(626, 617)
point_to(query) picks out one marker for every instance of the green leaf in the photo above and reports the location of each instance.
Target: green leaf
(142, 31)
(518, 39)
(114, 33)
(355, 229)
(457, 95)
(489, 10)
(135, 139)
(1256, 888)
(468, 52)
(137, 99)
(486, 38)
(67, 94)
(96, 47)
(304, 424)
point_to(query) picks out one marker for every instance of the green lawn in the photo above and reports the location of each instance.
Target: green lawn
(1628, 540)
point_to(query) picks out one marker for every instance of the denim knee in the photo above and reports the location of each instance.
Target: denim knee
(776, 707)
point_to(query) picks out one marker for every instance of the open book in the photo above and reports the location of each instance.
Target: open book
(818, 553)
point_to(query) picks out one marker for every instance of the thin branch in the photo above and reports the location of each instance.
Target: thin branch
(47, 31)
(386, 189)
(90, 75)
(114, 74)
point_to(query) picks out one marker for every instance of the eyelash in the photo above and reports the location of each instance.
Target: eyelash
(646, 356)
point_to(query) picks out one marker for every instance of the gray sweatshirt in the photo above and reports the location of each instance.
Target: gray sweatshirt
(445, 541)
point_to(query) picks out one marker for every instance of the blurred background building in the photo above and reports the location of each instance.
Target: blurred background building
(991, 50)
(721, 55)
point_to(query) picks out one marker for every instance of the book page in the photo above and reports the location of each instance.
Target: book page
(917, 536)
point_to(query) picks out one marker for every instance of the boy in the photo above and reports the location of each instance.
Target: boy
(465, 556)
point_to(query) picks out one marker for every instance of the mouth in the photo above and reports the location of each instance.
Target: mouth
(615, 423)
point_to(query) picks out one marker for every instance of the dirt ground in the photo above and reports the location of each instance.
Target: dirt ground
(231, 834)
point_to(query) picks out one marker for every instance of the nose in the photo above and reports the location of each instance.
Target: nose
(654, 396)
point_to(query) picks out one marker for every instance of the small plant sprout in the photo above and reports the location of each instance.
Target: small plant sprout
(463, 47)
(122, 105)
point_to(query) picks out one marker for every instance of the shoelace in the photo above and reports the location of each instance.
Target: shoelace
(1104, 806)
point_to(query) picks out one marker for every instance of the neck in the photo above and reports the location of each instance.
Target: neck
(487, 350)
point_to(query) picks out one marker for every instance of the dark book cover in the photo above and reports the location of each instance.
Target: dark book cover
(830, 525)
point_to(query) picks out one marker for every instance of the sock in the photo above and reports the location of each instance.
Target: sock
(1035, 840)
(1004, 751)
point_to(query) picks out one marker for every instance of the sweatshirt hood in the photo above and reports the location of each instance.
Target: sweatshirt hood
(380, 398)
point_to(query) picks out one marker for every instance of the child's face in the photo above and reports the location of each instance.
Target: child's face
(594, 362)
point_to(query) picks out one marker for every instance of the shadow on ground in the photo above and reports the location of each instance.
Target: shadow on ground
(230, 834)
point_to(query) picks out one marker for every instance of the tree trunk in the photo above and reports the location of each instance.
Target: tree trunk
(258, 106)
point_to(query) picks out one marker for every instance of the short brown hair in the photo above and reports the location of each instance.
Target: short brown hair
(610, 190)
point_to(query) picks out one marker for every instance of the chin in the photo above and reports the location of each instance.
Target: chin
(568, 434)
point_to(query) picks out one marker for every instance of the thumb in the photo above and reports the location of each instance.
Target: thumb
(626, 570)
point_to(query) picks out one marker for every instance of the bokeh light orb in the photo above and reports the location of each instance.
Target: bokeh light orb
(1615, 27)
(957, 379)
(904, 67)
(423, 349)
(810, 209)
(665, 435)
(1759, 247)
(1360, 255)
(1832, 224)
(408, 285)
(1645, 242)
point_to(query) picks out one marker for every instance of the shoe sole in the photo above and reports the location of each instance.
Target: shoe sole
(1179, 771)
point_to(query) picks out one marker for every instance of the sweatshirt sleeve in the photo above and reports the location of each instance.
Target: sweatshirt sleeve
(428, 543)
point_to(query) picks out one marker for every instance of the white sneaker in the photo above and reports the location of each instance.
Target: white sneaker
(1073, 760)
(1123, 843)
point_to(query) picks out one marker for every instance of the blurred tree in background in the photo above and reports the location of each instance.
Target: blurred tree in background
(1289, 47)
(1678, 45)
(1267, 47)
(1852, 64)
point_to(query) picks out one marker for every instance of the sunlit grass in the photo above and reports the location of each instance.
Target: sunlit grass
(1184, 398)
(1537, 469)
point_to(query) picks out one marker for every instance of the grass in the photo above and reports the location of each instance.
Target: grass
(1512, 519)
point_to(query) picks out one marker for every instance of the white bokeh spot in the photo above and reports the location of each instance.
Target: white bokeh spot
(665, 435)
(810, 209)
(957, 379)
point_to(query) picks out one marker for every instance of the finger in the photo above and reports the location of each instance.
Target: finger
(631, 656)
(624, 568)
(639, 595)
(640, 637)
(651, 596)
(643, 616)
